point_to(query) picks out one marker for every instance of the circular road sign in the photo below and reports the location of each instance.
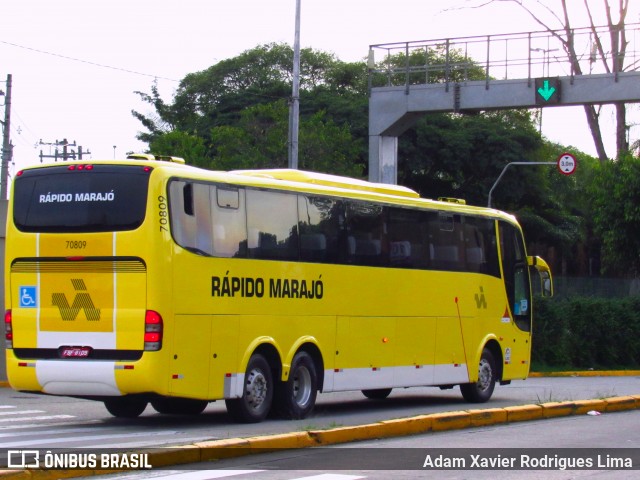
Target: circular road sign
(567, 163)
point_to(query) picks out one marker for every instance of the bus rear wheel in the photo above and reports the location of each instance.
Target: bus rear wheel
(297, 396)
(179, 406)
(125, 407)
(377, 393)
(481, 391)
(257, 394)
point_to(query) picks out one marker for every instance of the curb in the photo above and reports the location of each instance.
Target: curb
(436, 422)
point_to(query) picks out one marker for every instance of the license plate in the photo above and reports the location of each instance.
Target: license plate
(75, 352)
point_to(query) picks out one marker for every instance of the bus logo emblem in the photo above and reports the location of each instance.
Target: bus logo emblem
(481, 301)
(82, 301)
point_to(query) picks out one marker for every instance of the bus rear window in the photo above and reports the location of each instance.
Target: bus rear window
(100, 199)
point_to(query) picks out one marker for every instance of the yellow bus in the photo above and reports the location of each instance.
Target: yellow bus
(146, 280)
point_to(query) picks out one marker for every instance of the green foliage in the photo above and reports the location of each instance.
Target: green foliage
(180, 144)
(426, 65)
(585, 332)
(328, 147)
(615, 201)
(258, 140)
(462, 155)
(237, 107)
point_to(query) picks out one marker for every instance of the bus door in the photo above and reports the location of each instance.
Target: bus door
(515, 271)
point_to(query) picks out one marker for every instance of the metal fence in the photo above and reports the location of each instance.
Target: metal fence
(502, 57)
(595, 287)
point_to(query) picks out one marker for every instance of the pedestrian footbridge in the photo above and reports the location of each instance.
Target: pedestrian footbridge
(472, 74)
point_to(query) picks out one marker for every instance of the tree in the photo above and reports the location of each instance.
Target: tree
(462, 155)
(180, 144)
(258, 140)
(615, 197)
(216, 105)
(613, 60)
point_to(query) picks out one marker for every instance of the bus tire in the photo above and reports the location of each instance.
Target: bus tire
(481, 391)
(179, 406)
(297, 396)
(257, 394)
(377, 393)
(125, 407)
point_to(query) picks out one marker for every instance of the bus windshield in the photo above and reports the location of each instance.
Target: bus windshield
(94, 198)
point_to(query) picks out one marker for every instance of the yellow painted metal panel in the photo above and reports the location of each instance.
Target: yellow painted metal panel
(366, 342)
(190, 353)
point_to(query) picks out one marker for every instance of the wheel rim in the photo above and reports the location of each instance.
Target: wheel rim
(302, 386)
(256, 389)
(484, 375)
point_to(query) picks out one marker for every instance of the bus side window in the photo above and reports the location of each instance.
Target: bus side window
(406, 238)
(480, 246)
(191, 216)
(229, 222)
(367, 234)
(272, 222)
(446, 241)
(183, 222)
(320, 228)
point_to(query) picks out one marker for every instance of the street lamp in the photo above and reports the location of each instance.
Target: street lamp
(294, 109)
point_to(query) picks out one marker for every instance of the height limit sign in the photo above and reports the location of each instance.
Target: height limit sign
(567, 163)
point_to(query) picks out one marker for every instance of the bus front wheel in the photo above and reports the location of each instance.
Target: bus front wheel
(257, 394)
(481, 391)
(125, 407)
(297, 396)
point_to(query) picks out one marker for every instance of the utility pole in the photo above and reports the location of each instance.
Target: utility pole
(294, 112)
(7, 148)
(66, 153)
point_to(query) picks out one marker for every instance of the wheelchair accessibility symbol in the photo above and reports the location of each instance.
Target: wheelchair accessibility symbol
(28, 297)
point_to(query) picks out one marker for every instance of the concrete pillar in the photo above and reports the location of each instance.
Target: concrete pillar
(383, 159)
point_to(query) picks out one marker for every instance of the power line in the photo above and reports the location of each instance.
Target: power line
(24, 124)
(22, 131)
(95, 64)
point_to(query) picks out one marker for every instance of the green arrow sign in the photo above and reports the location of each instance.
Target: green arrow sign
(547, 91)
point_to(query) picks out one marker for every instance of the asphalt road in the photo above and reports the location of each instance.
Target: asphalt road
(35, 421)
(602, 440)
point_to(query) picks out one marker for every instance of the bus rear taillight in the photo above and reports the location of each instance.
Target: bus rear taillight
(8, 331)
(79, 168)
(152, 331)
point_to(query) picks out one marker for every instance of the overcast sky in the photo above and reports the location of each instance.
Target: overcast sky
(77, 63)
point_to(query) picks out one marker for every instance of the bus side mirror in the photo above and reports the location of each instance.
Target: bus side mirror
(547, 287)
(539, 268)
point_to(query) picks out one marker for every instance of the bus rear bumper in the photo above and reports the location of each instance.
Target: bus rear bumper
(57, 377)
